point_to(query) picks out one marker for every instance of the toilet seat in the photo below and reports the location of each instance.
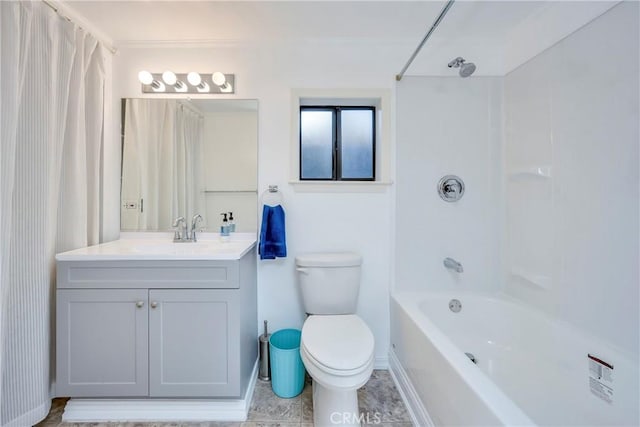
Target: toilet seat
(340, 345)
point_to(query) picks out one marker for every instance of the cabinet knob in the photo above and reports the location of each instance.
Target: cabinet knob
(154, 304)
(140, 304)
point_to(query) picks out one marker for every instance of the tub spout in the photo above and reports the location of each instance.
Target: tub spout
(452, 264)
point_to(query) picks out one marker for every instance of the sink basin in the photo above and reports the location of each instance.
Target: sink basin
(145, 248)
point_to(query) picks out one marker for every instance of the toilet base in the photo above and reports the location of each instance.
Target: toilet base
(333, 407)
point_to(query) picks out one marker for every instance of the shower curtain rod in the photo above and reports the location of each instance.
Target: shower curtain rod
(59, 9)
(444, 11)
(186, 104)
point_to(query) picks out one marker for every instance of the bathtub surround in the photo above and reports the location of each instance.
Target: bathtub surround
(448, 126)
(540, 223)
(53, 88)
(569, 110)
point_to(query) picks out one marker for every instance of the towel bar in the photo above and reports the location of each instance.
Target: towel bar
(272, 191)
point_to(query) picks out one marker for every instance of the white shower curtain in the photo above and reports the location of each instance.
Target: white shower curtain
(161, 163)
(148, 176)
(51, 125)
(189, 140)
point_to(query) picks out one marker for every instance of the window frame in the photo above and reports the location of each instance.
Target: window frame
(336, 149)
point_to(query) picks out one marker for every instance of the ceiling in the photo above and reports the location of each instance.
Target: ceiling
(143, 21)
(487, 28)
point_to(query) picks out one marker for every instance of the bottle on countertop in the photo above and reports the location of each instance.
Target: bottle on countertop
(224, 228)
(232, 224)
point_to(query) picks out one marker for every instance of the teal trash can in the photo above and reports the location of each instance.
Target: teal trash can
(287, 370)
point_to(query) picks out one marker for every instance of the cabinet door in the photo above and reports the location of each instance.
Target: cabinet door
(102, 342)
(193, 343)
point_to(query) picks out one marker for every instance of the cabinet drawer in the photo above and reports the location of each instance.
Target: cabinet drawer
(148, 274)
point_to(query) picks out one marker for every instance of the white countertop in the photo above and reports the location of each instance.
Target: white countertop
(160, 246)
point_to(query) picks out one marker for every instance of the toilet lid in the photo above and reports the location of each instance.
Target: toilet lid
(342, 342)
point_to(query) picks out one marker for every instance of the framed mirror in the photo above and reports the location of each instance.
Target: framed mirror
(182, 157)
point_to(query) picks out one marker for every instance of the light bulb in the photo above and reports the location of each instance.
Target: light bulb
(145, 77)
(203, 87)
(158, 86)
(169, 77)
(194, 78)
(218, 78)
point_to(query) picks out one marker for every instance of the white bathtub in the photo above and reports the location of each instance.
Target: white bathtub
(531, 370)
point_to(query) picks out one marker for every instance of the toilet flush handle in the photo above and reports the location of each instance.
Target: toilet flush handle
(302, 270)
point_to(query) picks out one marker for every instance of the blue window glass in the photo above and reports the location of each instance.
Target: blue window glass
(356, 144)
(316, 144)
(337, 143)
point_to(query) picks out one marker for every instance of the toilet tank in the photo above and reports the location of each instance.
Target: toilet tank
(329, 282)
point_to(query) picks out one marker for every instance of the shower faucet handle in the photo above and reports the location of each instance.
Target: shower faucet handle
(450, 188)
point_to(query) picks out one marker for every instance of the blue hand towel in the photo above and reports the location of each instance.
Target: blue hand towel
(272, 237)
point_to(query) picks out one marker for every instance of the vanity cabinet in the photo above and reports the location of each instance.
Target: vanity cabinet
(156, 328)
(190, 350)
(102, 343)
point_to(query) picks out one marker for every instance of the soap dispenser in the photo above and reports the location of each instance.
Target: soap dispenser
(224, 228)
(232, 224)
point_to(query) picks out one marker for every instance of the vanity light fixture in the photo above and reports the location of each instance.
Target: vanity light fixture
(149, 80)
(170, 82)
(194, 79)
(170, 78)
(220, 80)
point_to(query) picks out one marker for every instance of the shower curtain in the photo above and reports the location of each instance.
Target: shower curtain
(189, 140)
(147, 164)
(161, 163)
(51, 126)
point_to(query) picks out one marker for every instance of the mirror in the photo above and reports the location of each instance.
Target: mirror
(182, 157)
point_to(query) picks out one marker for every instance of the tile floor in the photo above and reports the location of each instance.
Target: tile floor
(379, 400)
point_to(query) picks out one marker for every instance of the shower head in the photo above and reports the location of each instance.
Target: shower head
(466, 68)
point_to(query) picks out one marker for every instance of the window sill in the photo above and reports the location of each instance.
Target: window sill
(340, 186)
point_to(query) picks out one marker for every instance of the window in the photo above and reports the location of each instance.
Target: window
(337, 143)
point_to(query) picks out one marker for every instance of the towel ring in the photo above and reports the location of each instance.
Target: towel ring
(271, 196)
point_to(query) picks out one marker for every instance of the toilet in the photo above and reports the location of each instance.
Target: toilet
(336, 346)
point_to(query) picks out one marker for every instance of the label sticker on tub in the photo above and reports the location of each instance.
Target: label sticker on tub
(601, 378)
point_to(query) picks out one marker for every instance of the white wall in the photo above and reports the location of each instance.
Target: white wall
(315, 221)
(448, 125)
(230, 167)
(575, 108)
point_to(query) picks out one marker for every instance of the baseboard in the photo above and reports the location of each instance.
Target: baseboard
(415, 407)
(381, 363)
(101, 410)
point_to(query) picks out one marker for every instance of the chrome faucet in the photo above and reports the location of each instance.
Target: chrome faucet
(194, 221)
(181, 233)
(452, 264)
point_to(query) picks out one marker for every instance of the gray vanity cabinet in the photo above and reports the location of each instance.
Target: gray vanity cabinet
(190, 350)
(102, 342)
(138, 328)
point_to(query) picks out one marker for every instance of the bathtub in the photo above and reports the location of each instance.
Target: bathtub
(528, 370)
